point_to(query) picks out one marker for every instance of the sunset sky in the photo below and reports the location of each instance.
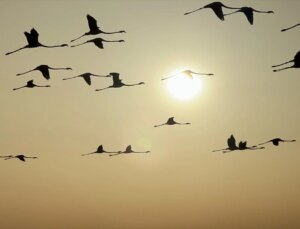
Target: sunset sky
(181, 183)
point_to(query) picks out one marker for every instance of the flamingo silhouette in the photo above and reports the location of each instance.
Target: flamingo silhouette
(231, 142)
(276, 141)
(172, 122)
(100, 150)
(188, 73)
(94, 29)
(128, 150)
(296, 61)
(30, 84)
(86, 76)
(117, 82)
(44, 69)
(98, 42)
(248, 11)
(216, 7)
(20, 157)
(33, 42)
(283, 30)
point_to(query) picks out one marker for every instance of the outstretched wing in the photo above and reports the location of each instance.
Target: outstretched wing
(116, 77)
(218, 11)
(92, 22)
(34, 34)
(128, 148)
(99, 43)
(87, 79)
(231, 142)
(249, 14)
(100, 149)
(171, 120)
(46, 73)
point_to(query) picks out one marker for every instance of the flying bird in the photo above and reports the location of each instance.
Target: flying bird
(216, 7)
(86, 76)
(296, 61)
(94, 28)
(276, 141)
(248, 11)
(100, 150)
(117, 83)
(30, 84)
(20, 157)
(44, 69)
(128, 150)
(231, 142)
(98, 42)
(172, 122)
(283, 30)
(188, 73)
(33, 42)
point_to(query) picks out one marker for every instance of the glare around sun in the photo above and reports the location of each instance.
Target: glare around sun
(183, 87)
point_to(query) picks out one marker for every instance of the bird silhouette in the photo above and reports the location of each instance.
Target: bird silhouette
(30, 84)
(231, 142)
(248, 11)
(98, 42)
(94, 28)
(296, 61)
(188, 73)
(172, 122)
(276, 141)
(128, 150)
(33, 42)
(20, 157)
(44, 69)
(283, 30)
(117, 83)
(100, 150)
(216, 7)
(86, 76)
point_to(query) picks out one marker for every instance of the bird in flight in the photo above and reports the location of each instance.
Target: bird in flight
(20, 157)
(117, 83)
(100, 150)
(296, 61)
(98, 42)
(172, 122)
(33, 42)
(283, 30)
(30, 84)
(44, 69)
(216, 7)
(189, 74)
(87, 77)
(276, 141)
(248, 11)
(94, 28)
(128, 150)
(231, 142)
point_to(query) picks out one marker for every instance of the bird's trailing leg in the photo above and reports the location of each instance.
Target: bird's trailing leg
(193, 11)
(78, 38)
(278, 70)
(15, 50)
(19, 88)
(278, 65)
(25, 72)
(72, 46)
(290, 27)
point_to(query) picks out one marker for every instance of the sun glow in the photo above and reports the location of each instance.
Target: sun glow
(183, 87)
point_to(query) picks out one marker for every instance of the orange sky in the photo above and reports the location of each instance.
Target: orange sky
(181, 183)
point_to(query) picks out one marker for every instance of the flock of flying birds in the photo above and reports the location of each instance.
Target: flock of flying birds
(217, 7)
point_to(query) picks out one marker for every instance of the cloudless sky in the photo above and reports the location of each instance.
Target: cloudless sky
(181, 183)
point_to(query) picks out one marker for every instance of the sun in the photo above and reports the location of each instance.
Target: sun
(183, 87)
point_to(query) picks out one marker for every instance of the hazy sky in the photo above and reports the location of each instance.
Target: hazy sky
(181, 183)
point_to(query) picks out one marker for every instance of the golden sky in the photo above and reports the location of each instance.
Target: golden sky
(181, 183)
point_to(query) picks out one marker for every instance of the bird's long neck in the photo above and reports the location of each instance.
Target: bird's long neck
(204, 74)
(194, 11)
(261, 11)
(79, 37)
(53, 46)
(289, 140)
(99, 75)
(116, 154)
(228, 7)
(218, 150)
(71, 77)
(19, 88)
(42, 85)
(31, 157)
(16, 50)
(79, 44)
(187, 123)
(25, 72)
(278, 65)
(112, 32)
(111, 40)
(60, 68)
(101, 89)
(88, 153)
(290, 27)
(129, 85)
